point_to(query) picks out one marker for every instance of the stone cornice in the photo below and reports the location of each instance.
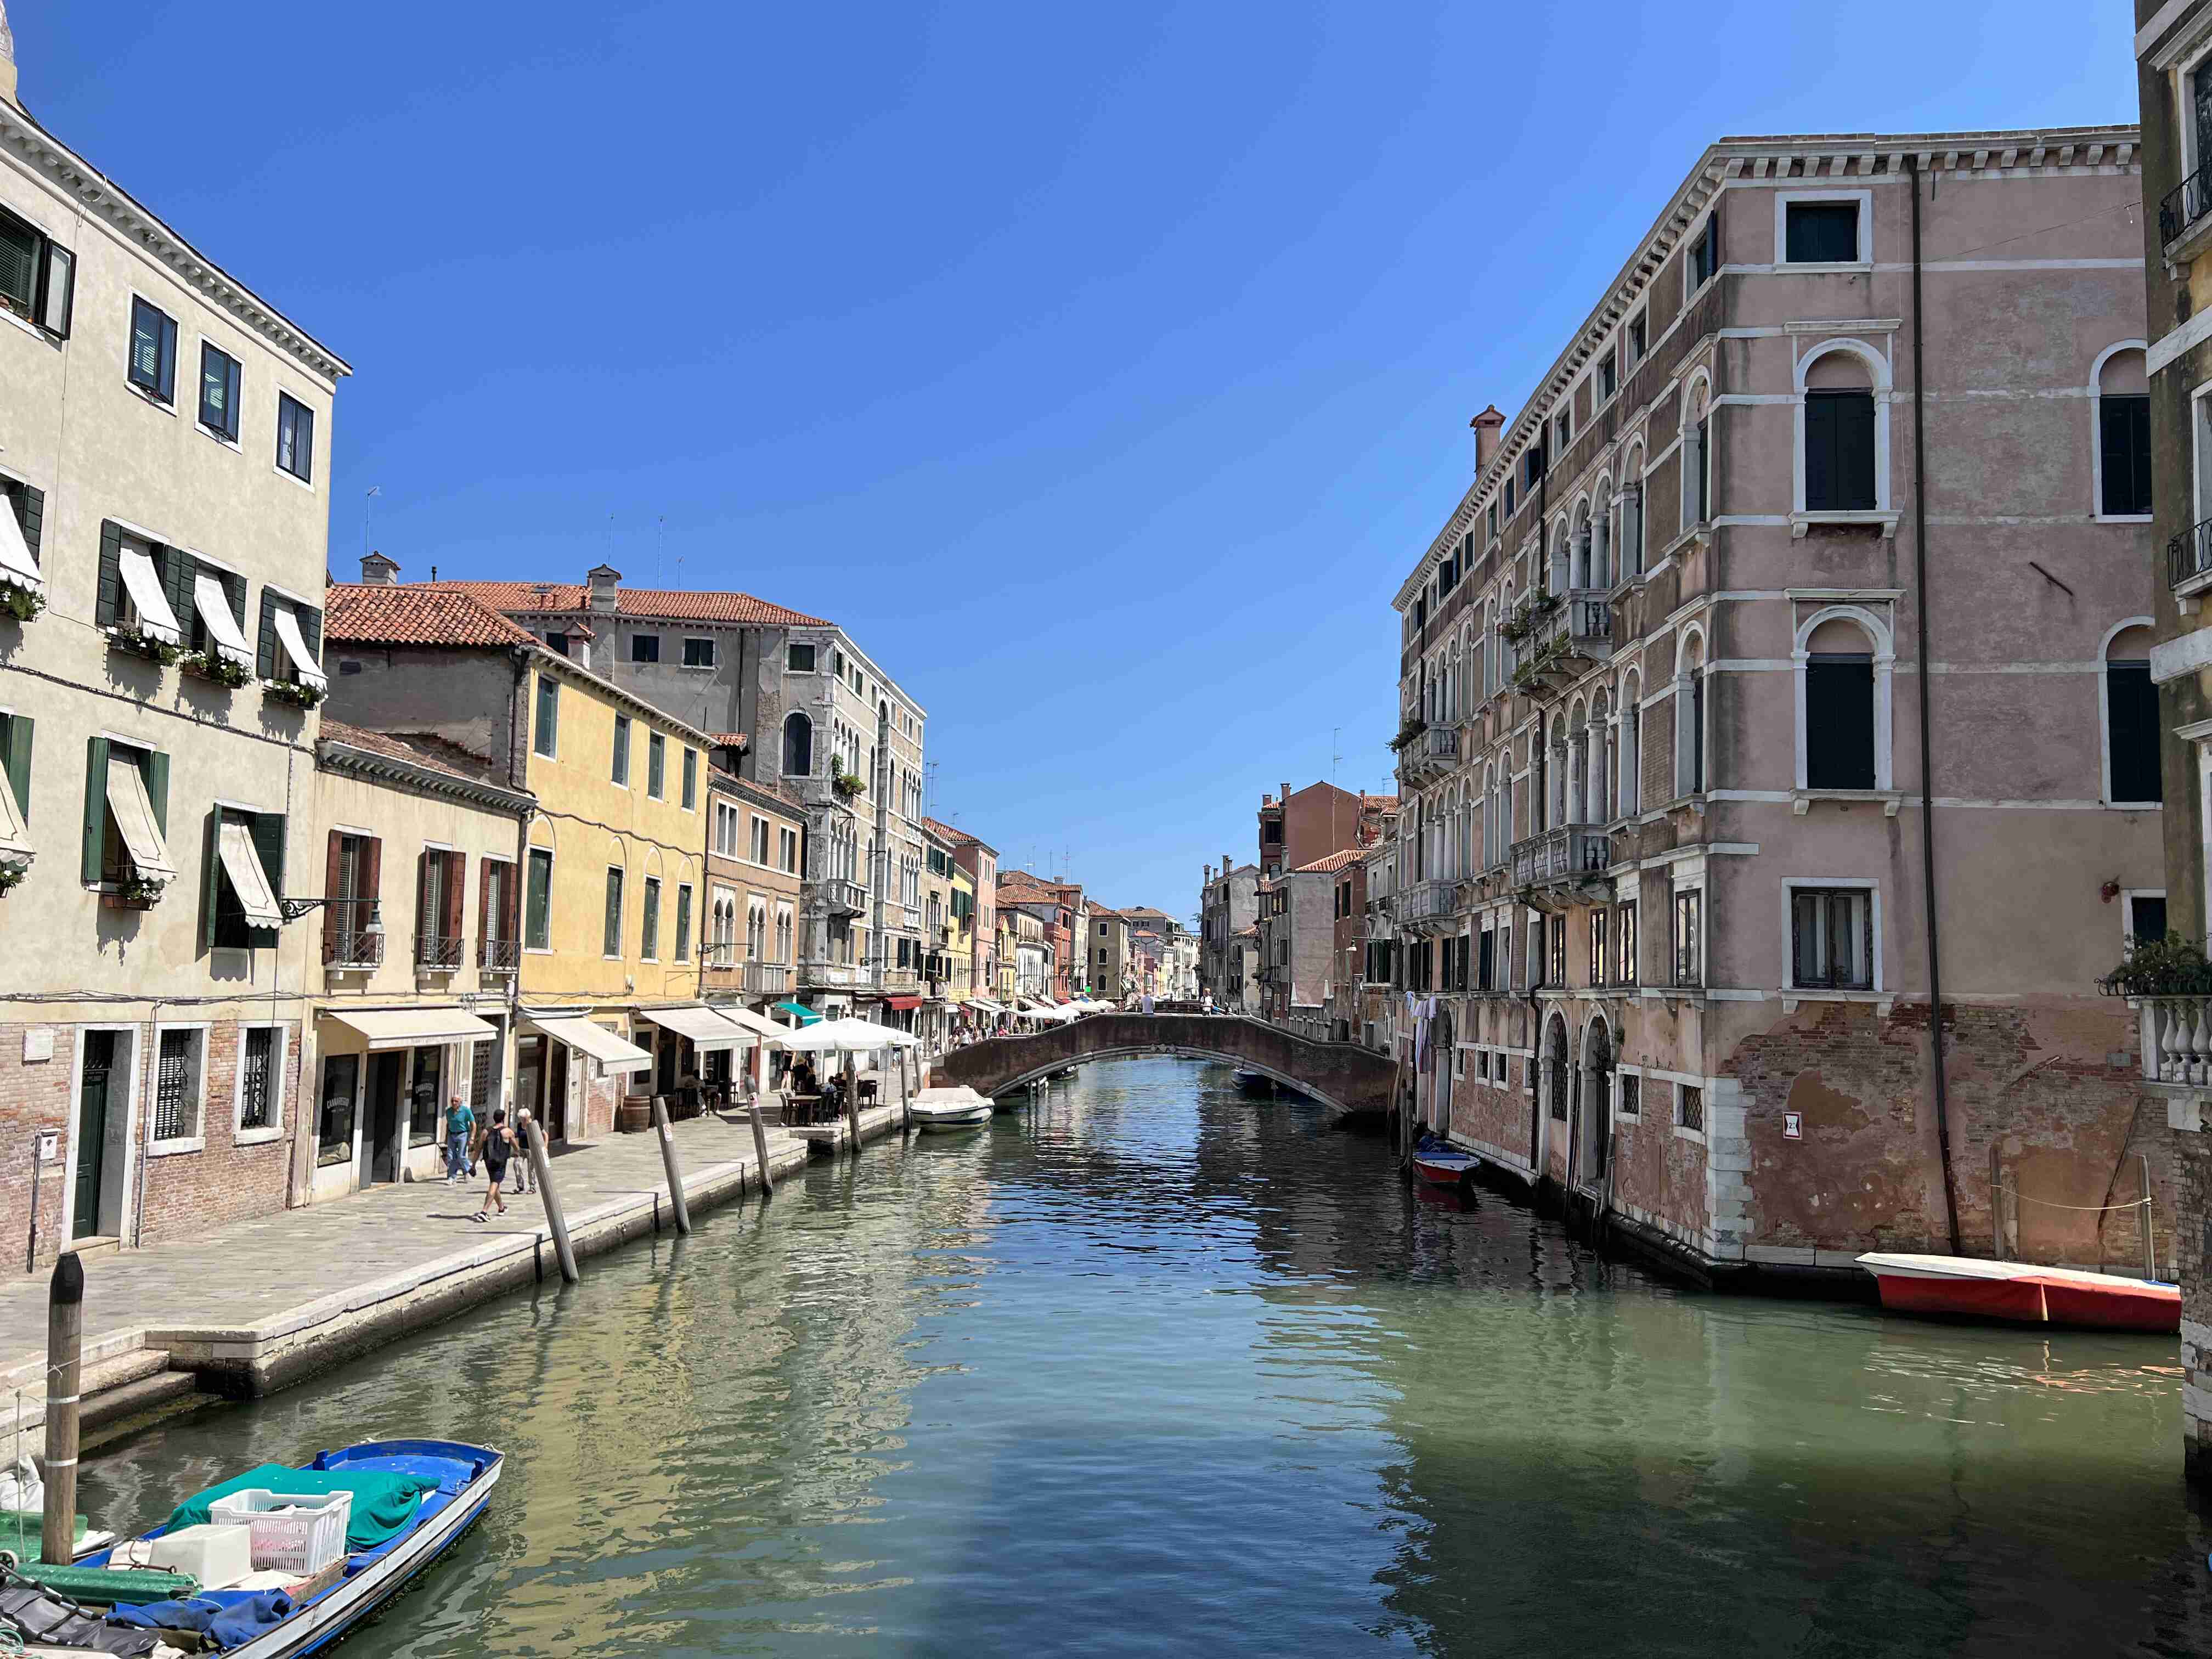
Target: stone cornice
(337, 756)
(98, 195)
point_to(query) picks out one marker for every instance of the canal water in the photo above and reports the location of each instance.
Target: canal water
(1151, 1368)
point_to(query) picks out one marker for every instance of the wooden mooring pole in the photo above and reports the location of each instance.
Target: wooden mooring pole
(556, 1222)
(672, 1163)
(851, 1103)
(760, 1147)
(64, 1373)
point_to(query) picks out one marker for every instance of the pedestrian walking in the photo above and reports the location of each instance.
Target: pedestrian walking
(460, 1131)
(498, 1148)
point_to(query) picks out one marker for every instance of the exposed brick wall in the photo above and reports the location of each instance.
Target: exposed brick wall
(2191, 1157)
(187, 1193)
(33, 1097)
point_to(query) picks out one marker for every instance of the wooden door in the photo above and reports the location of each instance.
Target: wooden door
(93, 1099)
(384, 1122)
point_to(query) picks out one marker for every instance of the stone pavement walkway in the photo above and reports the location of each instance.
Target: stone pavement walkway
(367, 1248)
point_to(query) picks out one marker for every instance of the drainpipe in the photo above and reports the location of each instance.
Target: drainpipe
(518, 777)
(1927, 754)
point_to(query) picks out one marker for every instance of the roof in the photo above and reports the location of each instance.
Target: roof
(422, 750)
(1146, 911)
(1379, 800)
(731, 739)
(355, 613)
(1099, 909)
(672, 604)
(1335, 860)
(771, 792)
(958, 837)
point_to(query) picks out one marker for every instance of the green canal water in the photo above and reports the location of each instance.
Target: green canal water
(1149, 1368)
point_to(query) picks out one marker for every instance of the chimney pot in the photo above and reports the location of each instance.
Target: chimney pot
(377, 571)
(1488, 425)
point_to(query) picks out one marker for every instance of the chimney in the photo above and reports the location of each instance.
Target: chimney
(606, 586)
(1487, 427)
(1285, 796)
(7, 59)
(377, 571)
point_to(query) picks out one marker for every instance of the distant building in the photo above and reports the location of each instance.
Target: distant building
(1228, 904)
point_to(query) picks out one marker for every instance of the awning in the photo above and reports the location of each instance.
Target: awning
(295, 647)
(986, 1006)
(902, 1003)
(15, 833)
(214, 606)
(805, 1015)
(154, 617)
(708, 1031)
(16, 554)
(134, 819)
(413, 1028)
(601, 1044)
(241, 862)
(750, 1021)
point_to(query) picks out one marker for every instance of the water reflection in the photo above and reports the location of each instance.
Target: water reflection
(1152, 1367)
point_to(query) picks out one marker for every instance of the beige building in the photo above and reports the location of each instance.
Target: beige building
(413, 952)
(161, 564)
(1832, 455)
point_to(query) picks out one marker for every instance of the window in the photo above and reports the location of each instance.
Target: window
(180, 1059)
(1697, 461)
(2131, 725)
(1689, 944)
(334, 1117)
(442, 875)
(1839, 709)
(1490, 520)
(2122, 459)
(495, 911)
(656, 766)
(126, 802)
(690, 778)
(1690, 718)
(648, 948)
(153, 366)
(698, 653)
(424, 1095)
(546, 738)
(798, 746)
(798, 659)
(260, 1076)
(1608, 376)
(537, 905)
(620, 771)
(783, 925)
(1820, 233)
(683, 922)
(645, 648)
(557, 642)
(1839, 469)
(1631, 1094)
(2146, 920)
(726, 829)
(37, 277)
(1623, 929)
(786, 850)
(1690, 1107)
(758, 852)
(218, 392)
(611, 937)
(1832, 938)
(1563, 430)
(1555, 939)
(1706, 253)
(241, 874)
(295, 438)
(1597, 946)
(1637, 346)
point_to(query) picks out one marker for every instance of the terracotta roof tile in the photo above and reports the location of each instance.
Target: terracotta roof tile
(418, 749)
(1335, 861)
(730, 739)
(675, 603)
(358, 614)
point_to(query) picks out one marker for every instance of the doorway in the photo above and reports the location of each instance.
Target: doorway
(1597, 1102)
(379, 1147)
(555, 1118)
(102, 1090)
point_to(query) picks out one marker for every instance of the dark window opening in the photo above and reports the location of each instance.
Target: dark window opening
(2131, 730)
(645, 648)
(1839, 474)
(2124, 442)
(219, 391)
(153, 366)
(1839, 721)
(1820, 233)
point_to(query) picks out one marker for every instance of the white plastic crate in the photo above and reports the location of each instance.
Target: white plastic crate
(297, 1532)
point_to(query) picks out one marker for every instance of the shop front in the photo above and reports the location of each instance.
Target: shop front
(385, 1078)
(697, 1055)
(569, 1070)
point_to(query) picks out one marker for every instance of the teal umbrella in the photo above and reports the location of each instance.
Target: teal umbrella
(805, 1015)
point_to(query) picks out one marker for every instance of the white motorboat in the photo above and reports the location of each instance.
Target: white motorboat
(959, 1107)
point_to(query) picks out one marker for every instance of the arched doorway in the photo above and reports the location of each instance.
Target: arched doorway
(1596, 1115)
(1555, 1094)
(1440, 1060)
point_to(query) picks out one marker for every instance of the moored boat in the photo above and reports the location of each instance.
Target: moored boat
(2021, 1292)
(960, 1108)
(1441, 1165)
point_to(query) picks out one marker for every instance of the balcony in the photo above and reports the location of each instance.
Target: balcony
(2184, 217)
(1428, 906)
(845, 898)
(2189, 560)
(1559, 638)
(354, 948)
(1565, 866)
(438, 953)
(722, 970)
(1431, 755)
(820, 971)
(500, 956)
(899, 981)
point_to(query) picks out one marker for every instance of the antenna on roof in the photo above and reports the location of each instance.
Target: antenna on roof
(660, 552)
(368, 508)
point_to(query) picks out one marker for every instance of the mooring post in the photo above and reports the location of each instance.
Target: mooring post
(670, 1162)
(851, 1103)
(760, 1148)
(64, 1371)
(556, 1222)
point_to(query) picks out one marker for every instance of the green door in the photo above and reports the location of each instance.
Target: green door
(92, 1130)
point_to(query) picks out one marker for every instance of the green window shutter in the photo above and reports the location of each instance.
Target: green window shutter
(31, 513)
(110, 597)
(156, 768)
(311, 630)
(95, 806)
(269, 842)
(18, 762)
(176, 569)
(210, 877)
(265, 655)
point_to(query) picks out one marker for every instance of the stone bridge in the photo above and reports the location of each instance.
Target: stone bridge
(1351, 1081)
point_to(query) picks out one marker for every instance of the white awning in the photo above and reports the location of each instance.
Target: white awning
(134, 819)
(707, 1029)
(16, 553)
(756, 1024)
(414, 1028)
(601, 1044)
(987, 1004)
(15, 833)
(241, 862)
(295, 647)
(154, 617)
(214, 606)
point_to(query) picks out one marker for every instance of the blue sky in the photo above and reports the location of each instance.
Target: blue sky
(1102, 370)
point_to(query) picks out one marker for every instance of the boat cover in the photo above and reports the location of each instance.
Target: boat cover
(383, 1503)
(232, 1621)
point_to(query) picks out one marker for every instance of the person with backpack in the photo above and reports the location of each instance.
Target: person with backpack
(499, 1145)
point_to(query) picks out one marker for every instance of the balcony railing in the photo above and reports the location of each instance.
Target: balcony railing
(501, 955)
(1434, 752)
(1567, 853)
(847, 898)
(902, 981)
(726, 971)
(2185, 204)
(2189, 555)
(819, 971)
(1427, 901)
(438, 951)
(355, 948)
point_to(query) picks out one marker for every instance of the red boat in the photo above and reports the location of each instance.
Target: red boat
(2019, 1292)
(1441, 1165)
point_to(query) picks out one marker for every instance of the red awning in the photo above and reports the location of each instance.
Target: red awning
(902, 1003)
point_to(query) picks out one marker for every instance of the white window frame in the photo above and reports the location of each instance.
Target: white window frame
(1688, 446)
(2097, 434)
(1686, 708)
(279, 1052)
(2104, 725)
(1691, 286)
(1782, 200)
(134, 1053)
(1689, 884)
(2177, 79)
(2128, 897)
(1705, 1108)
(1884, 511)
(522, 901)
(1791, 886)
(197, 1141)
(1884, 666)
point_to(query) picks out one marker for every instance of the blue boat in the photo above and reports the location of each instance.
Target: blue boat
(465, 1476)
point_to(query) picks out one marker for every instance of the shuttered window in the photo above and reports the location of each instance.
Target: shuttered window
(2131, 730)
(649, 947)
(620, 772)
(683, 923)
(2124, 440)
(1839, 452)
(611, 940)
(1839, 721)
(656, 766)
(537, 917)
(545, 737)
(153, 366)
(690, 778)
(37, 277)
(1820, 233)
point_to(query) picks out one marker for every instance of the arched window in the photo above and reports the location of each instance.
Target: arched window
(1601, 543)
(2131, 724)
(1600, 761)
(1839, 434)
(798, 745)
(1578, 768)
(1697, 471)
(1556, 770)
(2121, 395)
(1631, 748)
(1556, 570)
(1632, 514)
(1584, 550)
(1840, 706)
(1506, 830)
(1690, 715)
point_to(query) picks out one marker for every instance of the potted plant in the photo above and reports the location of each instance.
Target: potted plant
(136, 891)
(1413, 728)
(298, 693)
(139, 643)
(19, 601)
(846, 784)
(212, 665)
(2169, 967)
(12, 874)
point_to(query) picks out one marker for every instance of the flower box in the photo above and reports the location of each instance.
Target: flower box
(847, 785)
(18, 599)
(294, 692)
(214, 666)
(139, 644)
(133, 892)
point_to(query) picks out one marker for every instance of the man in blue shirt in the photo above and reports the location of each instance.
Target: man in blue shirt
(460, 1129)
